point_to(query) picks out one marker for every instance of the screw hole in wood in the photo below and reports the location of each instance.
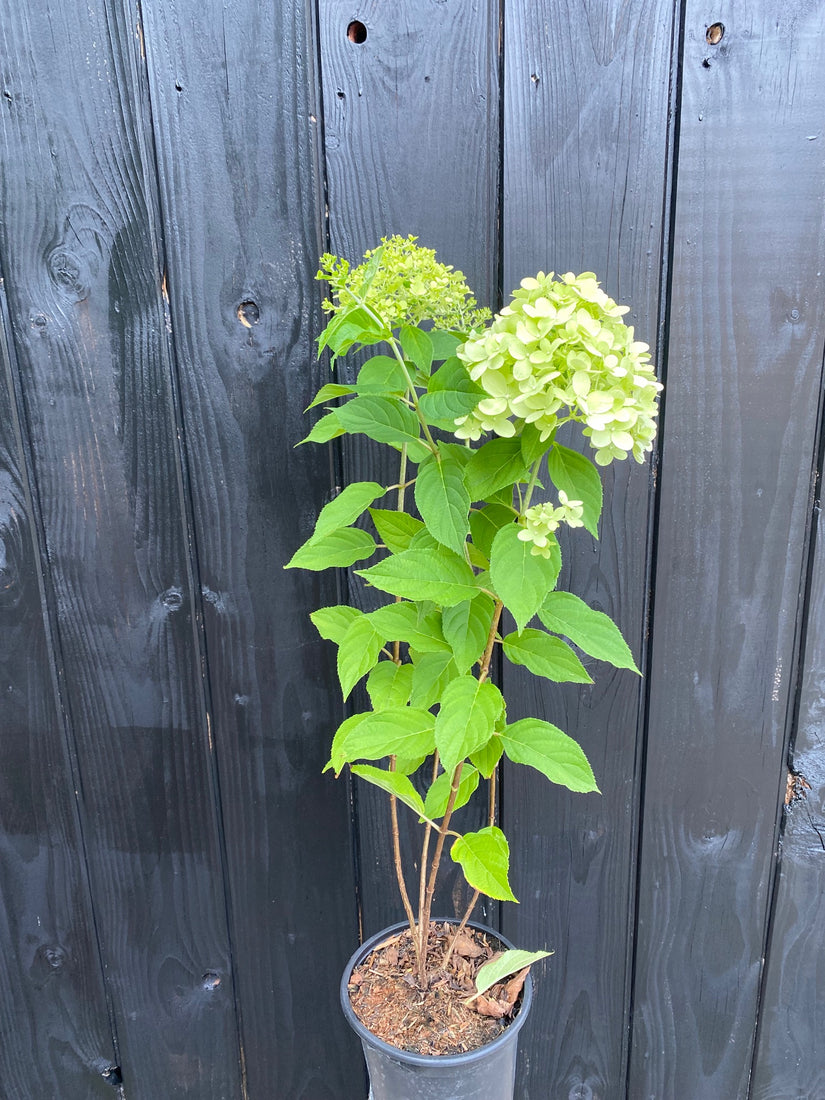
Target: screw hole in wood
(715, 33)
(357, 32)
(248, 313)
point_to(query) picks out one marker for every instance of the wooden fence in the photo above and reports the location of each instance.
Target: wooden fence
(180, 884)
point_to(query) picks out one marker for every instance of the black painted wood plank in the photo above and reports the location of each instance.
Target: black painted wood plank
(237, 131)
(744, 377)
(790, 1056)
(586, 155)
(411, 123)
(84, 285)
(55, 1031)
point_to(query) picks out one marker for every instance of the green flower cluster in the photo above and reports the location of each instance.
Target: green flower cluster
(560, 352)
(404, 284)
(542, 520)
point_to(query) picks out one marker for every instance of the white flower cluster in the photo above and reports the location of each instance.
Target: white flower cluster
(542, 520)
(561, 351)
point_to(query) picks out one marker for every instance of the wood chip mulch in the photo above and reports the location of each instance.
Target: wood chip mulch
(386, 997)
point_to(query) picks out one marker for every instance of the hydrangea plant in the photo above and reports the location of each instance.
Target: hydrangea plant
(472, 406)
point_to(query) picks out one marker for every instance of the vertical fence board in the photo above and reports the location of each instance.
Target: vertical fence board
(236, 130)
(790, 1058)
(84, 288)
(585, 162)
(744, 374)
(55, 1032)
(411, 124)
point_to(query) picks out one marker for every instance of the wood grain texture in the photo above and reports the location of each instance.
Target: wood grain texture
(236, 128)
(84, 284)
(586, 156)
(411, 122)
(744, 378)
(55, 1033)
(790, 1056)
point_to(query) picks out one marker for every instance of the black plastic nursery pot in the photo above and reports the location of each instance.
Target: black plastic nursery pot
(487, 1073)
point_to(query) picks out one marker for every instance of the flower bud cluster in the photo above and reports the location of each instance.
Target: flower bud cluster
(408, 286)
(542, 520)
(560, 351)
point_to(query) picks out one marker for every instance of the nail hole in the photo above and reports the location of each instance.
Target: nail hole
(248, 313)
(357, 32)
(535, 78)
(715, 33)
(211, 980)
(112, 1075)
(178, 87)
(706, 63)
(340, 95)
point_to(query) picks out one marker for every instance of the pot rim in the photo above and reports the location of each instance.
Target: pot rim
(508, 1034)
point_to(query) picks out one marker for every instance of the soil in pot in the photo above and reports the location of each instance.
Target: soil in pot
(387, 999)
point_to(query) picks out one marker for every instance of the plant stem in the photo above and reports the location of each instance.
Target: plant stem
(439, 848)
(413, 396)
(399, 871)
(484, 663)
(422, 882)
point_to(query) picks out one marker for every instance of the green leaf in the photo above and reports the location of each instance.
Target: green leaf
(444, 343)
(417, 347)
(431, 674)
(466, 628)
(350, 503)
(580, 479)
(401, 622)
(435, 804)
(486, 758)
(590, 630)
(389, 685)
(327, 428)
(357, 652)
(443, 500)
(407, 731)
(332, 623)
(385, 420)
(545, 656)
(393, 783)
(338, 548)
(395, 529)
(451, 393)
(466, 719)
(485, 860)
(329, 393)
(381, 375)
(353, 325)
(494, 465)
(336, 760)
(510, 962)
(437, 575)
(521, 579)
(486, 522)
(532, 446)
(544, 747)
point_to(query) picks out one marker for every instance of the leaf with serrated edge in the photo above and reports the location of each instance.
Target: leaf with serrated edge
(401, 622)
(350, 503)
(385, 420)
(417, 347)
(484, 857)
(435, 804)
(327, 428)
(357, 653)
(590, 630)
(494, 465)
(389, 685)
(437, 575)
(431, 674)
(443, 500)
(336, 549)
(546, 748)
(329, 392)
(332, 623)
(466, 627)
(395, 529)
(466, 719)
(521, 579)
(510, 962)
(407, 731)
(487, 757)
(579, 478)
(393, 783)
(545, 656)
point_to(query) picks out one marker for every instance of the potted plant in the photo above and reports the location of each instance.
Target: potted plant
(462, 550)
